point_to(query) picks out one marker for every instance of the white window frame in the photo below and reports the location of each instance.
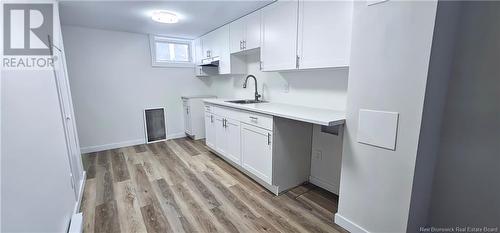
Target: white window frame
(152, 42)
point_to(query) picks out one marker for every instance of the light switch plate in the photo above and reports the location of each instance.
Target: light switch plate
(378, 128)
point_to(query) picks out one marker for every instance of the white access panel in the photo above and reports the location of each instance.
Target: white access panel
(378, 128)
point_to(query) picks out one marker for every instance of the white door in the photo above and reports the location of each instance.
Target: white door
(279, 39)
(232, 149)
(324, 33)
(253, 30)
(237, 35)
(187, 119)
(256, 151)
(67, 113)
(210, 130)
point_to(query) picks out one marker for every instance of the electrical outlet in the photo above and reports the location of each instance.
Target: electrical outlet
(318, 155)
(286, 88)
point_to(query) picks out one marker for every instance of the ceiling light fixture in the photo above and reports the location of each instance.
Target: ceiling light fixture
(162, 16)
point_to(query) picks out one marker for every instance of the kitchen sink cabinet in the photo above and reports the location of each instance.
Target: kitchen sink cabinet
(273, 151)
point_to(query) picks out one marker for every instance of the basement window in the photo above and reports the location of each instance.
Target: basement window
(170, 52)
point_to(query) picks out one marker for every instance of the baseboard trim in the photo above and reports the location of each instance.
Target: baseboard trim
(81, 191)
(348, 225)
(89, 149)
(323, 184)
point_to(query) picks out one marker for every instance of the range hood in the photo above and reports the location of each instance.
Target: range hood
(210, 62)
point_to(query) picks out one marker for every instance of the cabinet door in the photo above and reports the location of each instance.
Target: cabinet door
(220, 135)
(237, 35)
(210, 130)
(207, 44)
(187, 119)
(324, 33)
(198, 51)
(221, 49)
(279, 40)
(253, 30)
(233, 141)
(256, 151)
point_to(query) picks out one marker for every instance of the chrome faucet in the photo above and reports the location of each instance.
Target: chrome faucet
(257, 96)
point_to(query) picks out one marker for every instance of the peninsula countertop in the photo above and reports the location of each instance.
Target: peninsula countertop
(317, 116)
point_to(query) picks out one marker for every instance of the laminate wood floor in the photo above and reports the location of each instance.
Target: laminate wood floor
(179, 186)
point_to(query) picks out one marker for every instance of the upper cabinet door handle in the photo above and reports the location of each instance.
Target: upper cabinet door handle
(268, 139)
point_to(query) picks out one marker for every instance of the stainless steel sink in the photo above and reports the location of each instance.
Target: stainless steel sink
(245, 101)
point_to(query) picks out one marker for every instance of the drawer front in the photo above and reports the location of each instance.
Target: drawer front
(230, 113)
(257, 119)
(209, 108)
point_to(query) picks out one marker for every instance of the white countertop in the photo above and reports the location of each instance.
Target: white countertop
(197, 96)
(300, 113)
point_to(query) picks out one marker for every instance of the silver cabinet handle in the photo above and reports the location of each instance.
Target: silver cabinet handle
(211, 118)
(241, 45)
(253, 118)
(268, 139)
(244, 44)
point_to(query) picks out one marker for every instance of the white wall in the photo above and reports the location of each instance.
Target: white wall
(112, 81)
(391, 44)
(36, 191)
(314, 88)
(467, 174)
(441, 61)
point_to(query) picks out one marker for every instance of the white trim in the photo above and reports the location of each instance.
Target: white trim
(348, 225)
(76, 224)
(81, 191)
(152, 45)
(323, 184)
(89, 149)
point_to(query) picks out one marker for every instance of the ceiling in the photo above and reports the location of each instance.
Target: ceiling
(195, 17)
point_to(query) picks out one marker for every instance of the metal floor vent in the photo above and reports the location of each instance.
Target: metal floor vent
(155, 124)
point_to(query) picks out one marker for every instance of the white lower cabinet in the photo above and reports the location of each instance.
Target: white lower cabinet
(257, 151)
(227, 138)
(187, 119)
(232, 133)
(210, 129)
(274, 151)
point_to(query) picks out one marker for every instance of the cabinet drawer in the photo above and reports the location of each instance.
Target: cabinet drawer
(257, 119)
(208, 108)
(230, 113)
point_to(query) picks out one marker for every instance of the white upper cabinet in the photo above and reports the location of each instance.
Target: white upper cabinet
(198, 55)
(198, 51)
(237, 35)
(306, 35)
(245, 33)
(216, 44)
(324, 37)
(279, 39)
